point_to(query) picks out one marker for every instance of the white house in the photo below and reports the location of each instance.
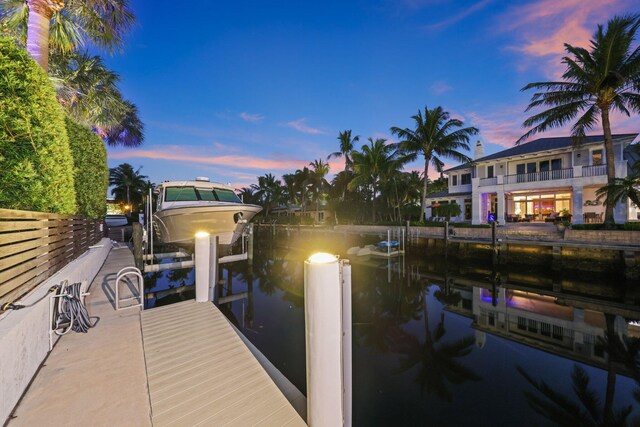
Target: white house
(531, 181)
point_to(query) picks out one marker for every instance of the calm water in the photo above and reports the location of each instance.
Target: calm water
(438, 341)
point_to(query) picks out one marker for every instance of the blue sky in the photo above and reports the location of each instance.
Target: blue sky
(233, 90)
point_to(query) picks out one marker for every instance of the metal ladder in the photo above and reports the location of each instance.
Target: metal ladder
(130, 271)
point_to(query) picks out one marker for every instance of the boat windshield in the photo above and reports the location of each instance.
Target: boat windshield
(192, 194)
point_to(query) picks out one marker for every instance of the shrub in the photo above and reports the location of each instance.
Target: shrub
(36, 168)
(90, 170)
(635, 226)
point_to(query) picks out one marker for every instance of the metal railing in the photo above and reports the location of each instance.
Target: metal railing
(488, 181)
(540, 176)
(595, 170)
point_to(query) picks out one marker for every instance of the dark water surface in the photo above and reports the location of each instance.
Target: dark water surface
(444, 342)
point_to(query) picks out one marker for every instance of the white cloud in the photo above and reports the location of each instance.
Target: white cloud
(301, 126)
(251, 118)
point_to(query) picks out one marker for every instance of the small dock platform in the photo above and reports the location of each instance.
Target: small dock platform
(201, 373)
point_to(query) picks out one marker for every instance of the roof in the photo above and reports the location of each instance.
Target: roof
(545, 144)
(445, 193)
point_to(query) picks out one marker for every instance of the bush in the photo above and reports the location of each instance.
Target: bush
(90, 170)
(594, 227)
(632, 226)
(36, 168)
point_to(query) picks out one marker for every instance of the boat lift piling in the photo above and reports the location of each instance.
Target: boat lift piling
(328, 336)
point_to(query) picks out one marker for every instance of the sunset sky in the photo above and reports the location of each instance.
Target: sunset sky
(233, 90)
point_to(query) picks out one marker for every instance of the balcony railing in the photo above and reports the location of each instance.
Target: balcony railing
(595, 170)
(488, 181)
(539, 176)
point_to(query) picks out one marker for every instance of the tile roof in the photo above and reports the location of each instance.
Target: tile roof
(544, 144)
(445, 193)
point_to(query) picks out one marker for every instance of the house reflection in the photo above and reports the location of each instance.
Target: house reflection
(540, 312)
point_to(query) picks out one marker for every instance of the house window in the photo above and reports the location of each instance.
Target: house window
(520, 169)
(556, 164)
(465, 179)
(454, 180)
(467, 209)
(596, 157)
(531, 167)
(489, 171)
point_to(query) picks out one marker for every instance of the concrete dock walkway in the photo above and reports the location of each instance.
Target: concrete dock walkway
(182, 365)
(97, 378)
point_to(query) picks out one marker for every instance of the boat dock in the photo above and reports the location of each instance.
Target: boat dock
(180, 365)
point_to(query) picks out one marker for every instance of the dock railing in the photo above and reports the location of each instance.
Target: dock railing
(36, 245)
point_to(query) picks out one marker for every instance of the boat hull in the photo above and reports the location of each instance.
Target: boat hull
(180, 224)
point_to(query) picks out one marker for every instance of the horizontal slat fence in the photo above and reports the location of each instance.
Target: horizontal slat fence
(36, 245)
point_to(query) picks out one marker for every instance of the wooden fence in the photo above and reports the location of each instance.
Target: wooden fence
(35, 245)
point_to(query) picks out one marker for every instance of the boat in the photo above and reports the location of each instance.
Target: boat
(185, 208)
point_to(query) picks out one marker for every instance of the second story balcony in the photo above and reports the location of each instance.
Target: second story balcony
(539, 176)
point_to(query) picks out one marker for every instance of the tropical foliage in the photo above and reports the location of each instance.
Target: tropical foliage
(436, 136)
(35, 160)
(91, 175)
(129, 186)
(596, 82)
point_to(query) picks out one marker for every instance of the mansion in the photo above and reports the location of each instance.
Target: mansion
(534, 181)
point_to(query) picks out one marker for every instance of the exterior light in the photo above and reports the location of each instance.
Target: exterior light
(322, 258)
(201, 234)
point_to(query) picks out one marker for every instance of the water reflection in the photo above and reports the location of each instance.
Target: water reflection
(442, 342)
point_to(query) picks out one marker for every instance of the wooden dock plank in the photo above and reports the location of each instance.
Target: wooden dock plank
(201, 373)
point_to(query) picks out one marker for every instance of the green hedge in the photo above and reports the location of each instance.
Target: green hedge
(91, 173)
(36, 168)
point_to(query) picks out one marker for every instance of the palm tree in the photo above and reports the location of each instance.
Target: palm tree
(435, 136)
(372, 165)
(65, 26)
(290, 189)
(346, 147)
(597, 81)
(128, 184)
(248, 195)
(317, 181)
(88, 92)
(302, 183)
(622, 189)
(269, 191)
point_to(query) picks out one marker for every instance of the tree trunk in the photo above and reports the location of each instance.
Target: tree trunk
(40, 13)
(373, 202)
(609, 221)
(423, 207)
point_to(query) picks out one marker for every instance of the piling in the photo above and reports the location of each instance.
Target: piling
(213, 269)
(202, 257)
(137, 245)
(324, 337)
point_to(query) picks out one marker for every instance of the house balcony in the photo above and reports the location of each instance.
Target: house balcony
(539, 176)
(488, 181)
(596, 170)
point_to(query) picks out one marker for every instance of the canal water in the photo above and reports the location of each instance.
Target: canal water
(443, 342)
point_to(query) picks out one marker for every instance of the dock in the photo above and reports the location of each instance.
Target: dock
(181, 365)
(201, 373)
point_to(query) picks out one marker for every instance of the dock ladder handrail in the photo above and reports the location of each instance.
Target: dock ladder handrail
(127, 271)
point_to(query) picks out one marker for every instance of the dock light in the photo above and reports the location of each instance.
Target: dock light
(322, 258)
(201, 262)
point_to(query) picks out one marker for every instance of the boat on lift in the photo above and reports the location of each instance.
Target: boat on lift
(185, 208)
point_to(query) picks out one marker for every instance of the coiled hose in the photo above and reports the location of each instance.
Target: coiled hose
(71, 312)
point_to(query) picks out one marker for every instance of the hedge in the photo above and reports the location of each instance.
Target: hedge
(36, 167)
(90, 170)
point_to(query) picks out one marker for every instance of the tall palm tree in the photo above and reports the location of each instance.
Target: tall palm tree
(290, 191)
(67, 25)
(317, 180)
(375, 163)
(89, 93)
(597, 81)
(128, 184)
(346, 147)
(248, 195)
(302, 184)
(435, 137)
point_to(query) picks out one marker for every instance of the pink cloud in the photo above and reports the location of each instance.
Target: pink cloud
(440, 87)
(542, 27)
(301, 126)
(237, 161)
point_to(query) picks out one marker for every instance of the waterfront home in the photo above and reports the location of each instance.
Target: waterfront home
(534, 182)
